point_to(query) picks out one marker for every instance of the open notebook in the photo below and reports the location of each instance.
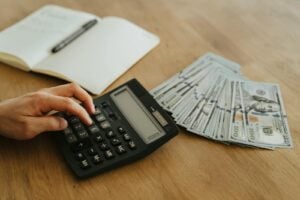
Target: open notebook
(93, 60)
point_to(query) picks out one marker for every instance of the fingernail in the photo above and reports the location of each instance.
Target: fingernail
(93, 109)
(63, 123)
(90, 121)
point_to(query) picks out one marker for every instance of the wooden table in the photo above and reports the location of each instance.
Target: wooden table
(263, 36)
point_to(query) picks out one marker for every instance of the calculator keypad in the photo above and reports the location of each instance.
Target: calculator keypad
(99, 142)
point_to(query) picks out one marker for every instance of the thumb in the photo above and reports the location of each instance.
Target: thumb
(49, 123)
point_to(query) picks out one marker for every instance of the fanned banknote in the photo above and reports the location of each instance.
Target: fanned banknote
(266, 119)
(212, 98)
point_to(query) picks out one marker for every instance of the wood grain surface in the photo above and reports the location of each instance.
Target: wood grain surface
(263, 36)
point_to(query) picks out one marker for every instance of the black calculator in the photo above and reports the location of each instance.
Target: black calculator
(128, 125)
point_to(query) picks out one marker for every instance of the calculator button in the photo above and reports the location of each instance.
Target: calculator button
(74, 120)
(79, 156)
(97, 159)
(68, 131)
(105, 125)
(100, 118)
(110, 134)
(71, 138)
(120, 149)
(112, 116)
(110, 113)
(108, 154)
(97, 111)
(82, 134)
(84, 164)
(126, 137)
(121, 130)
(131, 144)
(93, 129)
(115, 141)
(98, 138)
(81, 145)
(78, 146)
(91, 151)
(78, 127)
(103, 146)
(104, 104)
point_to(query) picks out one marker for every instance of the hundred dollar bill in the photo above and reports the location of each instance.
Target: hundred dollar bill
(184, 114)
(187, 119)
(202, 119)
(213, 124)
(238, 126)
(223, 133)
(266, 118)
(196, 118)
(228, 64)
(198, 91)
(192, 70)
(216, 123)
(178, 92)
(187, 73)
(208, 108)
(237, 132)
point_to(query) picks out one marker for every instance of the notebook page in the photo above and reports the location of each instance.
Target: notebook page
(32, 38)
(101, 55)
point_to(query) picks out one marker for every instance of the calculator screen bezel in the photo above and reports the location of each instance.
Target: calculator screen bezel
(134, 122)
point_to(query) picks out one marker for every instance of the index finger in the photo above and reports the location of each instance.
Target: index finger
(51, 102)
(74, 90)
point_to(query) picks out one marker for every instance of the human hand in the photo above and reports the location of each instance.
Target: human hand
(26, 116)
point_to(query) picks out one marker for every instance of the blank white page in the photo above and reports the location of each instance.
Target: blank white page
(102, 54)
(32, 38)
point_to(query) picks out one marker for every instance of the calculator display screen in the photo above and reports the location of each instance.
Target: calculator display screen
(137, 115)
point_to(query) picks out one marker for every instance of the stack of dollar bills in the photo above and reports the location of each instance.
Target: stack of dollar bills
(212, 98)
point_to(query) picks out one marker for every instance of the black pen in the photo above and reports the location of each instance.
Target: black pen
(76, 34)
